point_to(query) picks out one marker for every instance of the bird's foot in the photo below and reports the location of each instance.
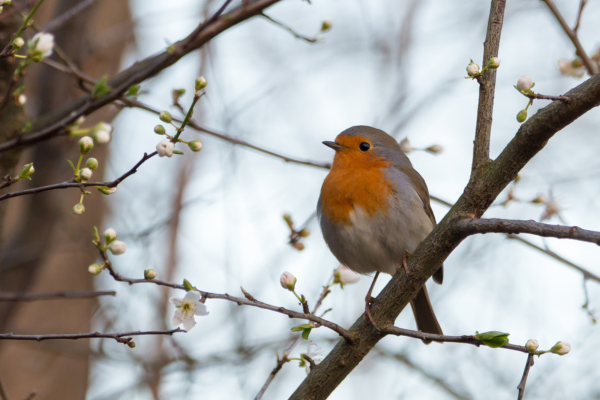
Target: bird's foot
(367, 316)
(404, 264)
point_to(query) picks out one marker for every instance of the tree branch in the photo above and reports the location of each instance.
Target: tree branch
(482, 189)
(55, 124)
(521, 386)
(572, 34)
(487, 86)
(26, 297)
(124, 338)
(80, 185)
(511, 226)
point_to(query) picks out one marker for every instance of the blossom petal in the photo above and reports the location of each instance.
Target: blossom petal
(177, 318)
(175, 301)
(201, 310)
(192, 295)
(188, 322)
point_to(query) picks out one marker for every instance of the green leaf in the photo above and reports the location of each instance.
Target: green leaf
(301, 327)
(187, 285)
(305, 333)
(96, 235)
(493, 338)
(72, 166)
(133, 90)
(101, 88)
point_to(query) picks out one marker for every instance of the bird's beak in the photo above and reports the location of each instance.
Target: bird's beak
(334, 145)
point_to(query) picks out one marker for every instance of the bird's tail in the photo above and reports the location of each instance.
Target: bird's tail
(424, 315)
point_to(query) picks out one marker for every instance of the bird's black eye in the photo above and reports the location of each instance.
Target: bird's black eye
(364, 146)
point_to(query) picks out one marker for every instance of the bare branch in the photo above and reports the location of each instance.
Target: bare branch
(487, 86)
(67, 16)
(27, 297)
(521, 386)
(546, 97)
(263, 389)
(124, 338)
(572, 34)
(581, 5)
(80, 185)
(511, 226)
(290, 30)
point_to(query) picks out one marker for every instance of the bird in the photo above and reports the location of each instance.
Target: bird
(374, 210)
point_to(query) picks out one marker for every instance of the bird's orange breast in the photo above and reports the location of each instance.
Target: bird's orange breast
(355, 181)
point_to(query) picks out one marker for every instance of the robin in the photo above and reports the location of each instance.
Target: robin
(374, 211)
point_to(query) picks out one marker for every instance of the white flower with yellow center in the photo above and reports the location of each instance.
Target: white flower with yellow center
(187, 308)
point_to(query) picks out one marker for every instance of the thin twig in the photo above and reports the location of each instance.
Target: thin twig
(26, 297)
(572, 34)
(3, 395)
(521, 386)
(124, 338)
(581, 5)
(547, 97)
(290, 30)
(7, 51)
(67, 16)
(487, 86)
(263, 389)
(80, 185)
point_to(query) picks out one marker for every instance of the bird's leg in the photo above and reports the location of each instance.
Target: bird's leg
(404, 263)
(368, 300)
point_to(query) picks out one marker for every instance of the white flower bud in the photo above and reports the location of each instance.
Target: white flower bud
(95, 269)
(200, 83)
(195, 145)
(326, 25)
(149, 274)
(288, 281)
(117, 247)
(525, 83)
(472, 69)
(106, 190)
(85, 144)
(85, 174)
(18, 42)
(102, 132)
(78, 209)
(435, 149)
(91, 163)
(405, 146)
(21, 99)
(41, 45)
(561, 348)
(532, 345)
(165, 148)
(494, 62)
(345, 276)
(110, 235)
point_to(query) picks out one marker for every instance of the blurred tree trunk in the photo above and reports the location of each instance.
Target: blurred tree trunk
(47, 248)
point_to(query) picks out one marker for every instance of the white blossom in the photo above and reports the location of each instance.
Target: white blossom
(186, 309)
(117, 247)
(315, 353)
(41, 44)
(288, 281)
(102, 132)
(165, 148)
(525, 83)
(345, 276)
(21, 99)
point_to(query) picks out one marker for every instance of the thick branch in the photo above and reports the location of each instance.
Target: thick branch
(479, 194)
(56, 124)
(26, 297)
(487, 85)
(572, 34)
(511, 226)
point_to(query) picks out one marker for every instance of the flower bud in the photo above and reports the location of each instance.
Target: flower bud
(40, 46)
(494, 62)
(304, 233)
(159, 130)
(288, 218)
(288, 281)
(91, 163)
(106, 190)
(472, 69)
(117, 247)
(21, 100)
(18, 42)
(165, 148)
(149, 274)
(561, 348)
(540, 199)
(435, 149)
(85, 144)
(525, 83)
(195, 145)
(532, 345)
(522, 116)
(78, 209)
(405, 146)
(26, 171)
(298, 246)
(326, 25)
(85, 174)
(200, 83)
(95, 269)
(345, 276)
(110, 235)
(102, 132)
(165, 117)
(131, 345)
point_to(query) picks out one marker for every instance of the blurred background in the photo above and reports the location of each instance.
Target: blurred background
(215, 217)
